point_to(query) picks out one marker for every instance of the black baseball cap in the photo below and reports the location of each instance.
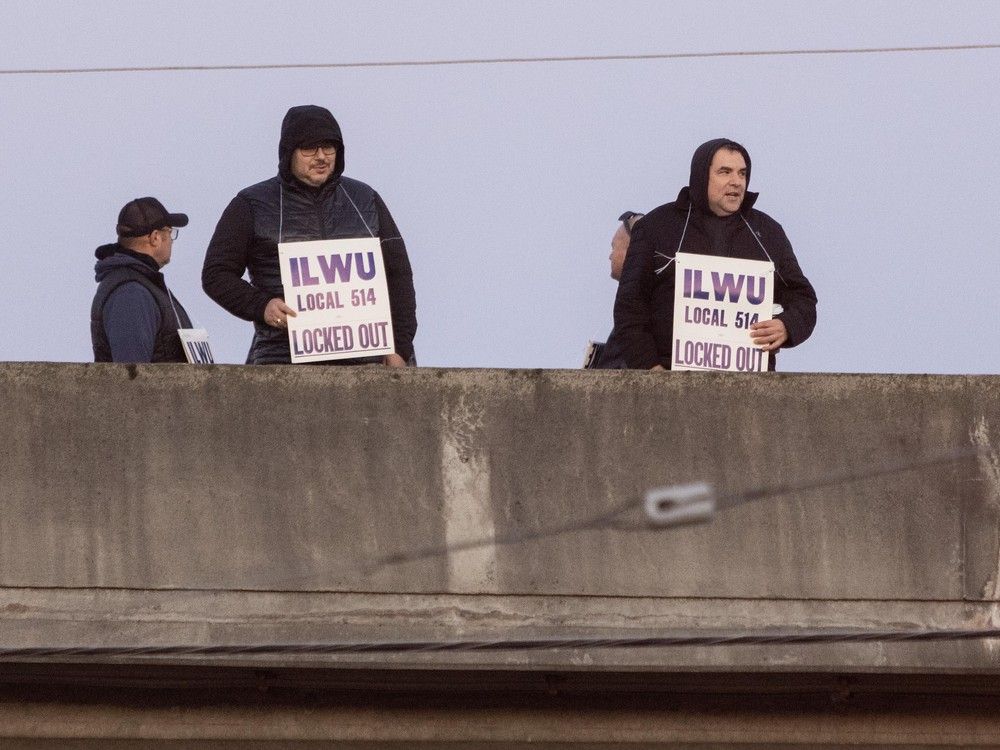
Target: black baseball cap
(143, 215)
(626, 219)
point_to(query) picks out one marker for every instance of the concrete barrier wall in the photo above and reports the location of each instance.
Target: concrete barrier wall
(285, 482)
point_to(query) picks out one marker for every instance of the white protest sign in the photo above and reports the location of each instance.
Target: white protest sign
(339, 293)
(716, 300)
(195, 344)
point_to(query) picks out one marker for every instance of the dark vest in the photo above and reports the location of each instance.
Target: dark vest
(291, 212)
(168, 347)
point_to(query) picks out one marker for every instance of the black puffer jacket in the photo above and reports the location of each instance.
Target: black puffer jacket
(284, 209)
(644, 305)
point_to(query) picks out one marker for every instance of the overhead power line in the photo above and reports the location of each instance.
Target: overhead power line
(504, 60)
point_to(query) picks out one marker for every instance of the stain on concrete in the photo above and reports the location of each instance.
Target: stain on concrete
(468, 510)
(989, 465)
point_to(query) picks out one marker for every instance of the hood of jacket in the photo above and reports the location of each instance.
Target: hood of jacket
(113, 256)
(305, 124)
(697, 190)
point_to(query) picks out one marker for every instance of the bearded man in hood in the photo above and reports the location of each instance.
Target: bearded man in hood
(713, 215)
(309, 199)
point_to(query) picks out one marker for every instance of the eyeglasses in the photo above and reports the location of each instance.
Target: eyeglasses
(328, 149)
(172, 230)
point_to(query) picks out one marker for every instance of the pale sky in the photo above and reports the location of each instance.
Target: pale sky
(506, 179)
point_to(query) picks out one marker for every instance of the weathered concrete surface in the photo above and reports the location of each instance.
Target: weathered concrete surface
(160, 504)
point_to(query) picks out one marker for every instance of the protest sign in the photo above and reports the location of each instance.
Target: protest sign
(716, 300)
(195, 344)
(339, 293)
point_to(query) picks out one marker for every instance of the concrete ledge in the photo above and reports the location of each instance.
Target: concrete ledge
(40, 618)
(153, 503)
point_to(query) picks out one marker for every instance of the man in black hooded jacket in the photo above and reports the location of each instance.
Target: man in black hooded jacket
(713, 215)
(309, 199)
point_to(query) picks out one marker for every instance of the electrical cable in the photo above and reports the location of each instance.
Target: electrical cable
(606, 519)
(701, 639)
(503, 60)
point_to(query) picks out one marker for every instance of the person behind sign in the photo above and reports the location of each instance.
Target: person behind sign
(134, 317)
(309, 199)
(713, 215)
(609, 355)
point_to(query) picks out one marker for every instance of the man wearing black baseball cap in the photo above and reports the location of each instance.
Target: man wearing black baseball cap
(134, 317)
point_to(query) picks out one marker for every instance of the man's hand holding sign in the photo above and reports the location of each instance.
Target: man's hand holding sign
(277, 313)
(769, 335)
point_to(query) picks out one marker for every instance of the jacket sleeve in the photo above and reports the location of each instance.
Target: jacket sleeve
(633, 311)
(792, 291)
(131, 320)
(399, 276)
(226, 262)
